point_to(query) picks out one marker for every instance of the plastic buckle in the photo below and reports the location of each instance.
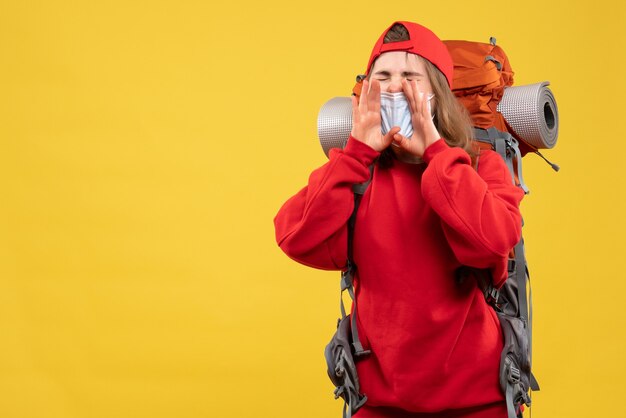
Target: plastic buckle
(491, 295)
(511, 265)
(346, 278)
(361, 353)
(514, 374)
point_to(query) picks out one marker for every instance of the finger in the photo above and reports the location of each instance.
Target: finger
(425, 112)
(425, 106)
(429, 105)
(413, 86)
(355, 113)
(389, 136)
(408, 92)
(399, 140)
(364, 93)
(418, 103)
(406, 144)
(417, 95)
(373, 98)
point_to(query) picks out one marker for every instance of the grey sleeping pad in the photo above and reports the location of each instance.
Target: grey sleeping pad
(530, 111)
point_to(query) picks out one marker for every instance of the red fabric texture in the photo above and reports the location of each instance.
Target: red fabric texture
(423, 42)
(435, 342)
(495, 410)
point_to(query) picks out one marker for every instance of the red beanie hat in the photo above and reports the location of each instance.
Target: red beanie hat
(423, 42)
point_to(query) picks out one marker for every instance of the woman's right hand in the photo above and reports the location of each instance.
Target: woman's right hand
(366, 119)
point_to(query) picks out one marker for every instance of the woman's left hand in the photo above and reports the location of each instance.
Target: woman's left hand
(424, 130)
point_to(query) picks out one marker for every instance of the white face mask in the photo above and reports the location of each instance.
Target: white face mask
(395, 111)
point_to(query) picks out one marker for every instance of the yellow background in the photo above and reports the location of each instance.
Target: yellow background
(147, 145)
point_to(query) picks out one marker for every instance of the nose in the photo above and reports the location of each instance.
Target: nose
(395, 85)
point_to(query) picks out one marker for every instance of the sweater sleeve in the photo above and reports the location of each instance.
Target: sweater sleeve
(479, 210)
(311, 227)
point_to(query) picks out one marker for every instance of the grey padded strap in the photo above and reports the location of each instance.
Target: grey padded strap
(534, 385)
(497, 139)
(508, 148)
(481, 135)
(510, 407)
(518, 159)
(520, 277)
(347, 284)
(501, 148)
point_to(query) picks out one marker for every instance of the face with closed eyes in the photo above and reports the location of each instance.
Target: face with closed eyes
(390, 68)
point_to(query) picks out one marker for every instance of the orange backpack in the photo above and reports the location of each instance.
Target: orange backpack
(481, 73)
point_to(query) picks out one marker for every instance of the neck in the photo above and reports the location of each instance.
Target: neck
(405, 157)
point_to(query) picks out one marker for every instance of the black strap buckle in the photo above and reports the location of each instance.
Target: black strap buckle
(491, 295)
(511, 265)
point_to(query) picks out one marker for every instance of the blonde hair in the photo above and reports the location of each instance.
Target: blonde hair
(451, 118)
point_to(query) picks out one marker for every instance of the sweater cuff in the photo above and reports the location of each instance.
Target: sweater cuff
(433, 149)
(360, 151)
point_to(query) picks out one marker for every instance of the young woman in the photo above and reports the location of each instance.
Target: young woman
(435, 343)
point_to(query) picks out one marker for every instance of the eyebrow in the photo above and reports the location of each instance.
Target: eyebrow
(404, 73)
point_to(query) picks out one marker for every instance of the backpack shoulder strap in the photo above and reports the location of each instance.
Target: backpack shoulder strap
(508, 148)
(515, 300)
(347, 276)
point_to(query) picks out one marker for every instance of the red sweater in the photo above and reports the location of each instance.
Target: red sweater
(435, 342)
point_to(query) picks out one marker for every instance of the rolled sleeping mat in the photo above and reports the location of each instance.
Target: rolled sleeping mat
(529, 110)
(532, 113)
(334, 123)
